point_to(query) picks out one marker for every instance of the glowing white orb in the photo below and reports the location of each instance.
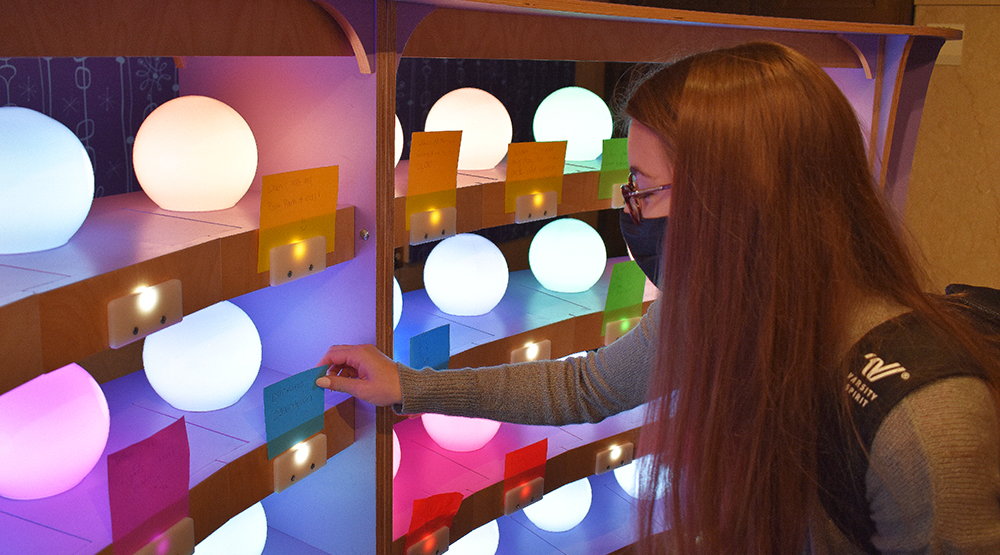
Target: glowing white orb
(53, 430)
(397, 453)
(567, 256)
(207, 361)
(628, 477)
(466, 275)
(483, 121)
(482, 541)
(398, 143)
(577, 116)
(458, 433)
(244, 534)
(397, 303)
(562, 509)
(194, 154)
(46, 182)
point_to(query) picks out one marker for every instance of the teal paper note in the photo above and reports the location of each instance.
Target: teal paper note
(431, 349)
(293, 410)
(614, 167)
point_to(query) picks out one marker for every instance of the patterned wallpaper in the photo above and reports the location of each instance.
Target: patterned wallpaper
(102, 100)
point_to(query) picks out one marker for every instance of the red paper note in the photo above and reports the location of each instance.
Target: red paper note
(432, 513)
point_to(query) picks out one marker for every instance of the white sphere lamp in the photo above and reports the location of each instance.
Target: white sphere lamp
(194, 154)
(458, 433)
(46, 182)
(567, 256)
(484, 540)
(398, 143)
(244, 534)
(562, 509)
(205, 362)
(484, 123)
(397, 454)
(53, 430)
(397, 303)
(577, 116)
(466, 275)
(628, 477)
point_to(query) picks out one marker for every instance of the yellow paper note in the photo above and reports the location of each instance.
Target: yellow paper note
(433, 171)
(295, 206)
(534, 168)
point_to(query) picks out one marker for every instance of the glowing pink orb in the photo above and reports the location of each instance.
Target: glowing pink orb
(458, 433)
(53, 430)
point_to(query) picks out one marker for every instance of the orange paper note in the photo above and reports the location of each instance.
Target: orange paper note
(433, 171)
(534, 168)
(295, 206)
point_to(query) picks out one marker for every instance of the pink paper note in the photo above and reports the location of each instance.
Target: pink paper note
(148, 487)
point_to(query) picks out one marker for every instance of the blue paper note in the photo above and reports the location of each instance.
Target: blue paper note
(293, 410)
(431, 349)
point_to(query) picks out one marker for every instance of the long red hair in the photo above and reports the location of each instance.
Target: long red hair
(776, 231)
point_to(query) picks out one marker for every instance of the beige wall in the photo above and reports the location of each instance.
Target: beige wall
(953, 204)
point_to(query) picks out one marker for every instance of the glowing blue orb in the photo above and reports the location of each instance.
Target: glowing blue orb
(562, 509)
(46, 182)
(465, 275)
(244, 534)
(567, 256)
(207, 361)
(483, 121)
(53, 430)
(577, 116)
(194, 154)
(482, 541)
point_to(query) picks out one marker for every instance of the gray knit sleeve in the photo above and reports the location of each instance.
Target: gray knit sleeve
(934, 477)
(581, 389)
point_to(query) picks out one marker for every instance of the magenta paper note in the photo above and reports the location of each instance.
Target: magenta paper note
(148, 487)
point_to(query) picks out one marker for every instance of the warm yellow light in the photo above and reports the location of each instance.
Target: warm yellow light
(147, 298)
(616, 453)
(532, 352)
(539, 200)
(435, 217)
(299, 251)
(301, 453)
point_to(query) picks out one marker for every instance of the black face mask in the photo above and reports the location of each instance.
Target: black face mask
(645, 242)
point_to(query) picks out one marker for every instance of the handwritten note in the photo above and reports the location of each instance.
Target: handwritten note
(624, 293)
(295, 206)
(148, 487)
(614, 167)
(293, 410)
(431, 349)
(534, 168)
(433, 171)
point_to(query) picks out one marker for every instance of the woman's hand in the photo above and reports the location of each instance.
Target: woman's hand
(363, 372)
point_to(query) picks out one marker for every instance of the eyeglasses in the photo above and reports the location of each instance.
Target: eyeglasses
(633, 194)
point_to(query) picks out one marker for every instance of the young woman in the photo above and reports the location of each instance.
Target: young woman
(783, 278)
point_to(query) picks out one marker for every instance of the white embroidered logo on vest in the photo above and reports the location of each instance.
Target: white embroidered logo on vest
(875, 370)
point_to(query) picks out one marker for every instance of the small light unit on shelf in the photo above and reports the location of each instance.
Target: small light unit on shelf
(567, 256)
(433, 225)
(194, 154)
(176, 540)
(577, 116)
(563, 509)
(484, 540)
(524, 495)
(484, 123)
(614, 457)
(207, 361)
(53, 430)
(539, 350)
(458, 433)
(536, 206)
(466, 275)
(435, 543)
(47, 182)
(244, 534)
(144, 311)
(300, 461)
(614, 330)
(297, 260)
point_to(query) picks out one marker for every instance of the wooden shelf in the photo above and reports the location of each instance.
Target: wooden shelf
(53, 304)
